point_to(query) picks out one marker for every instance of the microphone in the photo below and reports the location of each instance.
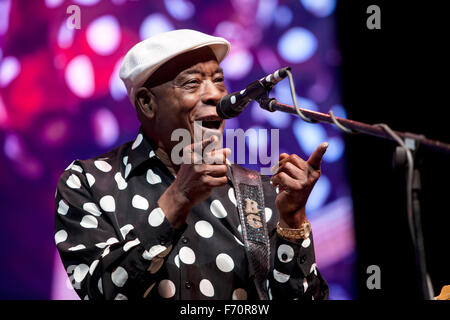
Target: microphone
(231, 105)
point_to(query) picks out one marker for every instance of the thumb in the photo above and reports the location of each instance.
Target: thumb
(316, 157)
(283, 156)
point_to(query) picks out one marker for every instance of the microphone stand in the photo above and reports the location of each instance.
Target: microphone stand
(402, 157)
(358, 127)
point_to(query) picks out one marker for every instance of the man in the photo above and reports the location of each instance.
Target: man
(133, 223)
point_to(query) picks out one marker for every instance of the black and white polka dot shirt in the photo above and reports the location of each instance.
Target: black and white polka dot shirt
(116, 243)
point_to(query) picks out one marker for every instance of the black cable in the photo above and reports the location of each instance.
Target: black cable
(414, 224)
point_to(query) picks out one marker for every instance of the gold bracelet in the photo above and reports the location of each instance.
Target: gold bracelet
(295, 234)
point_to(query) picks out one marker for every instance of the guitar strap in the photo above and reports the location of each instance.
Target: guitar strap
(250, 202)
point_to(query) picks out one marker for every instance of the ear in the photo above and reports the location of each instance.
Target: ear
(145, 103)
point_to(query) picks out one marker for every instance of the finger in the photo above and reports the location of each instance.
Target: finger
(215, 181)
(215, 170)
(217, 156)
(294, 159)
(200, 145)
(274, 169)
(316, 157)
(283, 156)
(284, 181)
(214, 146)
(193, 152)
(292, 171)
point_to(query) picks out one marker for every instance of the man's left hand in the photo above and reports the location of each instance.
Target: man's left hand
(295, 179)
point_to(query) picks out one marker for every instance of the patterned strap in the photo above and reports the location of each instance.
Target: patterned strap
(250, 201)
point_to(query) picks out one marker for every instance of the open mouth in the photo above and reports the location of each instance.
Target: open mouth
(212, 122)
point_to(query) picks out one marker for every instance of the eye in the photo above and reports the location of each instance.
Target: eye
(219, 79)
(192, 83)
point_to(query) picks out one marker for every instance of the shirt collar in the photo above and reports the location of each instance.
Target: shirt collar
(142, 150)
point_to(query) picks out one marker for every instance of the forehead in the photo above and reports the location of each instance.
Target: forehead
(183, 64)
(203, 68)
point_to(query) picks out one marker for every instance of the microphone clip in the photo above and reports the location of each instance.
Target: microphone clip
(265, 102)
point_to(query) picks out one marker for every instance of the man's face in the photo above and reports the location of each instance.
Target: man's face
(195, 88)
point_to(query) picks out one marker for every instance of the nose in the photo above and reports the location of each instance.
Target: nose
(212, 94)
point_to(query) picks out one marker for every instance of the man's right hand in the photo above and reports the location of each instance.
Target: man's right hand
(194, 180)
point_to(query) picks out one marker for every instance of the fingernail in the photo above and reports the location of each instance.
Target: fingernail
(274, 169)
(325, 144)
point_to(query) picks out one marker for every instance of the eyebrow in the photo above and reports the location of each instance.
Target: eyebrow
(196, 71)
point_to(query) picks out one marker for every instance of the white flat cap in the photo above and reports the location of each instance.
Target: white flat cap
(147, 56)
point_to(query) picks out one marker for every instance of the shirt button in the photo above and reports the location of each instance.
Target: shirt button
(185, 240)
(188, 284)
(162, 242)
(302, 259)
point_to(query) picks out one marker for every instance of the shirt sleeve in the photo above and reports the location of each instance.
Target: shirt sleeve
(103, 260)
(294, 273)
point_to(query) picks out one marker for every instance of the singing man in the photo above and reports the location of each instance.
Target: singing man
(134, 224)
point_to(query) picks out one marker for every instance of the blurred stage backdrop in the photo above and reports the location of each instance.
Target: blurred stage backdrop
(61, 99)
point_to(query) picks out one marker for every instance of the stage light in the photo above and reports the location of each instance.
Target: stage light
(264, 13)
(5, 7)
(335, 149)
(320, 8)
(297, 45)
(282, 93)
(319, 91)
(231, 31)
(268, 60)
(154, 24)
(87, 2)
(180, 9)
(237, 64)
(309, 136)
(54, 132)
(106, 127)
(116, 87)
(65, 36)
(9, 69)
(307, 103)
(277, 119)
(339, 111)
(53, 3)
(103, 35)
(318, 195)
(282, 16)
(3, 113)
(79, 76)
(12, 147)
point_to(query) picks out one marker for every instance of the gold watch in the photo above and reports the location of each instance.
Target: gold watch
(295, 234)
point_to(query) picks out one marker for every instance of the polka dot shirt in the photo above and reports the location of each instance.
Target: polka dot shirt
(115, 242)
